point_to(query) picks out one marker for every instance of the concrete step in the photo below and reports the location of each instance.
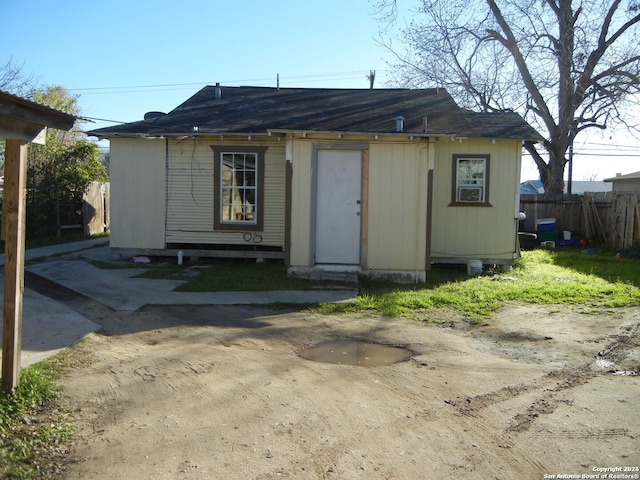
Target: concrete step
(327, 280)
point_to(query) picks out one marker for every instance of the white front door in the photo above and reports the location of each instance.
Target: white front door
(338, 202)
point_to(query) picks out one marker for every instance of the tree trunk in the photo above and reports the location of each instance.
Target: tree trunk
(552, 173)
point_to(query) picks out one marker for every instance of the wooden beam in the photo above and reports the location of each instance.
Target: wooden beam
(20, 109)
(13, 219)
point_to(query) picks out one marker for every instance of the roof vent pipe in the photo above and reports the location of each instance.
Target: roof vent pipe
(218, 91)
(424, 124)
(399, 124)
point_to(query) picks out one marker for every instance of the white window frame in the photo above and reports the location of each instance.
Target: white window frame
(471, 185)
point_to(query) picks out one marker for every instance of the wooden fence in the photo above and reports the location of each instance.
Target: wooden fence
(94, 215)
(607, 218)
(95, 209)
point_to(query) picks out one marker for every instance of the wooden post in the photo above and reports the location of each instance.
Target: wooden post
(13, 227)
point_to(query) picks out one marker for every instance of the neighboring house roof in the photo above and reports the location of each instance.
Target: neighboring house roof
(217, 110)
(531, 187)
(627, 177)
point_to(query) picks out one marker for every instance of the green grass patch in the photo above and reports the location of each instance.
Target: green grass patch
(227, 275)
(602, 264)
(589, 282)
(34, 430)
(565, 277)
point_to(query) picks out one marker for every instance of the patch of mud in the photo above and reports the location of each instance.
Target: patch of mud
(220, 392)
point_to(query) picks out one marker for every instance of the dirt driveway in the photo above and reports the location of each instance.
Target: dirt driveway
(219, 392)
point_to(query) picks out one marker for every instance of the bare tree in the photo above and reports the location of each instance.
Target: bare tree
(13, 79)
(565, 65)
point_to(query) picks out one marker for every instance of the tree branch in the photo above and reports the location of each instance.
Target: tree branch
(509, 42)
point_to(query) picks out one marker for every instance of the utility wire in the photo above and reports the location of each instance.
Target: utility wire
(93, 120)
(176, 86)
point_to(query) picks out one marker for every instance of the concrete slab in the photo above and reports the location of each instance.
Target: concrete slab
(61, 249)
(334, 280)
(48, 327)
(112, 287)
(117, 289)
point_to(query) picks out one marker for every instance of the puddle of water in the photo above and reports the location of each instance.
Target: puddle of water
(350, 352)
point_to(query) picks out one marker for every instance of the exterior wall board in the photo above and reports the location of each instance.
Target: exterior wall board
(138, 204)
(476, 232)
(171, 185)
(397, 207)
(301, 228)
(191, 200)
(397, 193)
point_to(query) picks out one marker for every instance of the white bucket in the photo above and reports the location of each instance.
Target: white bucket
(474, 268)
(567, 235)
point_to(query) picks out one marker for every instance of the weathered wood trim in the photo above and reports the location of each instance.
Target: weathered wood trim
(173, 252)
(427, 242)
(364, 210)
(288, 202)
(217, 221)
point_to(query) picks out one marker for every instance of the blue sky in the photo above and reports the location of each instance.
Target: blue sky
(125, 58)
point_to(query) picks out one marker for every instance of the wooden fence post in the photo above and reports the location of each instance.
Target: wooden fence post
(13, 219)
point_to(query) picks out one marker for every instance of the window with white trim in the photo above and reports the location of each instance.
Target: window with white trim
(471, 180)
(238, 187)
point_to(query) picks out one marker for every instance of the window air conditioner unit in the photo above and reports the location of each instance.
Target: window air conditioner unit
(470, 194)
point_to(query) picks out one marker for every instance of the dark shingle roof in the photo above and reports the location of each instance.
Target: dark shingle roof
(258, 110)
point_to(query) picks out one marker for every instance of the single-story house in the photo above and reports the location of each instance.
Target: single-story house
(381, 181)
(629, 183)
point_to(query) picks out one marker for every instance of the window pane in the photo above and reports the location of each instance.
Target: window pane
(250, 162)
(470, 180)
(238, 187)
(227, 175)
(250, 179)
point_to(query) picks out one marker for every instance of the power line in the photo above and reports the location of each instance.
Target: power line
(607, 154)
(176, 86)
(93, 119)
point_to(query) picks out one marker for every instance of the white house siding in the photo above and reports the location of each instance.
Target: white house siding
(190, 194)
(397, 210)
(137, 170)
(484, 233)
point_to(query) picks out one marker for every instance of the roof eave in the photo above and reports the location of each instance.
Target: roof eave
(399, 134)
(303, 133)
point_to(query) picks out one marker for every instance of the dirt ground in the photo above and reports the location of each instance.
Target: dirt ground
(219, 392)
